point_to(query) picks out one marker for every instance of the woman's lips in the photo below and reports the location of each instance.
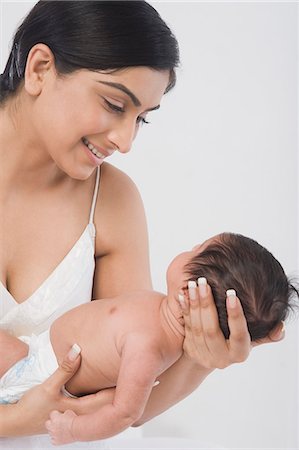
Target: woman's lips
(93, 148)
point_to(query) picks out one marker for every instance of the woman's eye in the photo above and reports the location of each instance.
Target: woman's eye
(118, 109)
(114, 108)
(142, 120)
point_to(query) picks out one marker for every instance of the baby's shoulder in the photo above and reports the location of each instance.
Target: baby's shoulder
(144, 303)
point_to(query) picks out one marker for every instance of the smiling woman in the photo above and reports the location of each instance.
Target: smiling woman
(70, 96)
(103, 117)
(122, 106)
(80, 78)
(50, 47)
(74, 102)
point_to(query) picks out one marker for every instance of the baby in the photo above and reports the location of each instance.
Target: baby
(129, 340)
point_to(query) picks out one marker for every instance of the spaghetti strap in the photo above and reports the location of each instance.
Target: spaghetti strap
(96, 188)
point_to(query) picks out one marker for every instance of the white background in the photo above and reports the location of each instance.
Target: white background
(221, 155)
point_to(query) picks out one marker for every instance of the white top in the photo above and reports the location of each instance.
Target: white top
(69, 285)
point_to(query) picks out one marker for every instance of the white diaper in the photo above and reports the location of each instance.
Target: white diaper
(28, 372)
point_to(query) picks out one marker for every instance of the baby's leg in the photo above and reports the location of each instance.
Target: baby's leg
(11, 351)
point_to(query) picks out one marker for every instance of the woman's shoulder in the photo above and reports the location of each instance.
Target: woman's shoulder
(117, 188)
(115, 177)
(120, 222)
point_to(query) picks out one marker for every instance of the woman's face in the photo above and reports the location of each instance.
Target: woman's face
(82, 118)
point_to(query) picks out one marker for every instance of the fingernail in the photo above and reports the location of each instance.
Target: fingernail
(192, 290)
(181, 299)
(202, 286)
(231, 298)
(74, 352)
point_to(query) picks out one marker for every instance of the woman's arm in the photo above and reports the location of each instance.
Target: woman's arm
(205, 349)
(122, 250)
(122, 254)
(123, 265)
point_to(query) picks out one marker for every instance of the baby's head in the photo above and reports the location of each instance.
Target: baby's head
(232, 261)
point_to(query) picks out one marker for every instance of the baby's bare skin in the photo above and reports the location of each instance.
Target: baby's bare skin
(127, 342)
(142, 329)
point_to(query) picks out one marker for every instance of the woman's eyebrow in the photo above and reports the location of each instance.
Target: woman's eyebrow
(124, 89)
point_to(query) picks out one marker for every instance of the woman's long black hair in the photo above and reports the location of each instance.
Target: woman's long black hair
(94, 35)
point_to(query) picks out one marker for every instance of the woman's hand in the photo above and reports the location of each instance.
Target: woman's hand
(204, 342)
(205, 349)
(31, 412)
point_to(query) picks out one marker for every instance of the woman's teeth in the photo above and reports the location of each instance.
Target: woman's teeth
(92, 149)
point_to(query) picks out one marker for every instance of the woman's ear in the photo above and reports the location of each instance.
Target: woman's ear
(40, 63)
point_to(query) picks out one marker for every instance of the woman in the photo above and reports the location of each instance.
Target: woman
(80, 79)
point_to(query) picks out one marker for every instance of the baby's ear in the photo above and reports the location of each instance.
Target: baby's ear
(185, 291)
(182, 298)
(278, 333)
(275, 335)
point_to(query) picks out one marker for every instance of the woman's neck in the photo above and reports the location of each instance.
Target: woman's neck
(23, 163)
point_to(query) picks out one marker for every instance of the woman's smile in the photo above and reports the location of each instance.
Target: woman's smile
(94, 156)
(97, 151)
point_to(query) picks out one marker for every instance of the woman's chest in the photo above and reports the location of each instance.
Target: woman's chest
(36, 233)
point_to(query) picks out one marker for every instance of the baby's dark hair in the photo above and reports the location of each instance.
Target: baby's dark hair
(233, 261)
(95, 35)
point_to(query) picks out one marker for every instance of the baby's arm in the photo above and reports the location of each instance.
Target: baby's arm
(11, 351)
(140, 364)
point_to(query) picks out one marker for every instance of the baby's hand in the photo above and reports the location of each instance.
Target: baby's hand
(59, 427)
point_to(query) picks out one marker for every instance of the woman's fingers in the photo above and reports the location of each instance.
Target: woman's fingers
(37, 403)
(67, 368)
(204, 340)
(239, 339)
(214, 339)
(193, 345)
(194, 316)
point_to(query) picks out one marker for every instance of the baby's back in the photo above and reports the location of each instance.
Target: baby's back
(101, 329)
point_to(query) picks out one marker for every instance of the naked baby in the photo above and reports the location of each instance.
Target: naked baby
(148, 333)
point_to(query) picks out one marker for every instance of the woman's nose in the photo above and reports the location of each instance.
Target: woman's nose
(123, 136)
